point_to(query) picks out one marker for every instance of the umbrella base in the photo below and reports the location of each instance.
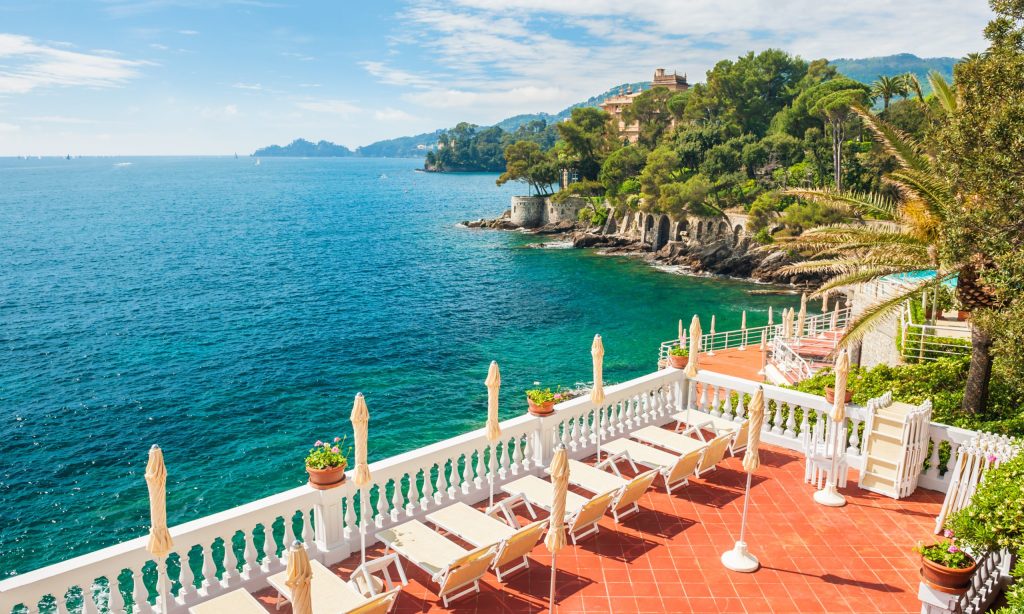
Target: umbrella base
(829, 496)
(738, 559)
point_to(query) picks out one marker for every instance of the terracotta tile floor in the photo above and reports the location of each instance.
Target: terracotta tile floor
(666, 558)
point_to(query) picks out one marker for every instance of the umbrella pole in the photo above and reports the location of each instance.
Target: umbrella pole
(598, 425)
(830, 495)
(739, 559)
(362, 527)
(551, 591)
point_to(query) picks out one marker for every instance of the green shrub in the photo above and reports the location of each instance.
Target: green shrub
(763, 237)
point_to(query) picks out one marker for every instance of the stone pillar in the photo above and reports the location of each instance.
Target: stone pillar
(330, 534)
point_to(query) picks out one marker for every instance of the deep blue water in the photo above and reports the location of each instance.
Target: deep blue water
(229, 312)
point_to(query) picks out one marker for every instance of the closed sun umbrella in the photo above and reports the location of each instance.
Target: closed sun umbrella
(300, 579)
(711, 338)
(830, 495)
(555, 539)
(743, 330)
(493, 383)
(597, 392)
(824, 303)
(160, 542)
(801, 318)
(695, 332)
(787, 321)
(739, 559)
(360, 425)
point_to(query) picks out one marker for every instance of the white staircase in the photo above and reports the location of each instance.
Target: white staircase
(896, 445)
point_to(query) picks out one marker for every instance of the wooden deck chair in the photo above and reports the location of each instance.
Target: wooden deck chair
(480, 529)
(717, 448)
(457, 571)
(675, 469)
(596, 479)
(582, 514)
(238, 601)
(332, 594)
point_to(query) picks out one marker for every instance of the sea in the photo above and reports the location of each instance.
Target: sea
(230, 311)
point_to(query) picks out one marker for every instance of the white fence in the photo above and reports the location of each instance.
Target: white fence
(814, 325)
(242, 546)
(931, 341)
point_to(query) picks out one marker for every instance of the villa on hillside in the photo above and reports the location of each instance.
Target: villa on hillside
(616, 105)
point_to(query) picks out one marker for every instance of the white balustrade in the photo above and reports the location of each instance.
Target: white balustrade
(253, 536)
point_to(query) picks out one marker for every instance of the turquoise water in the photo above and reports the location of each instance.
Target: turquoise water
(229, 313)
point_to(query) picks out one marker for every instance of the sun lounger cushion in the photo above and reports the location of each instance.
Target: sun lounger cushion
(717, 448)
(680, 444)
(593, 479)
(422, 546)
(541, 493)
(692, 417)
(471, 524)
(236, 602)
(329, 592)
(640, 453)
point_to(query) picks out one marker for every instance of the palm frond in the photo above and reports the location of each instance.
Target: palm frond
(855, 278)
(878, 313)
(931, 189)
(943, 91)
(907, 151)
(859, 202)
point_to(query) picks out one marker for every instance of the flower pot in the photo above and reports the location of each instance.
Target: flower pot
(963, 315)
(946, 579)
(830, 395)
(541, 409)
(323, 479)
(678, 362)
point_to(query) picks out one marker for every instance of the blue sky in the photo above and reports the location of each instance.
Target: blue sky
(120, 77)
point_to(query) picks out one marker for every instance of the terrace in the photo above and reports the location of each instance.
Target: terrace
(664, 558)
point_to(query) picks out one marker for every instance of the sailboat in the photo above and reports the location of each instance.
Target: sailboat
(257, 162)
(236, 155)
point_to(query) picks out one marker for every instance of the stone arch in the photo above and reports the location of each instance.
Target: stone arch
(737, 232)
(661, 237)
(723, 228)
(610, 227)
(647, 235)
(679, 230)
(700, 229)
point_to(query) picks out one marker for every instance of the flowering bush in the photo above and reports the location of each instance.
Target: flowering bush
(544, 395)
(946, 553)
(678, 350)
(327, 455)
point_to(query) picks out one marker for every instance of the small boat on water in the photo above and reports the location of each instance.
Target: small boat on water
(257, 162)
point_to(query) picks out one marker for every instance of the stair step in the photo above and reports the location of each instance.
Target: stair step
(877, 484)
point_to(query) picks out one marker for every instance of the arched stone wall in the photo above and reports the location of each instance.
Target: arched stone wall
(528, 211)
(661, 237)
(737, 234)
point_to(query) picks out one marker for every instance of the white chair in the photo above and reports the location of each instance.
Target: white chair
(582, 514)
(332, 594)
(675, 469)
(817, 444)
(627, 492)
(456, 571)
(481, 529)
(693, 422)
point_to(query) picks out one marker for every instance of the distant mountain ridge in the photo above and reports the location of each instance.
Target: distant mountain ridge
(865, 70)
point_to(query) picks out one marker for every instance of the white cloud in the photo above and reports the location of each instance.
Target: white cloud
(59, 119)
(188, 32)
(392, 115)
(302, 57)
(248, 86)
(231, 109)
(27, 65)
(332, 107)
(5, 127)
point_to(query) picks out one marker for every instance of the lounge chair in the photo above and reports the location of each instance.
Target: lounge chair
(694, 422)
(582, 514)
(331, 594)
(627, 491)
(675, 469)
(663, 438)
(457, 571)
(238, 601)
(480, 529)
(715, 453)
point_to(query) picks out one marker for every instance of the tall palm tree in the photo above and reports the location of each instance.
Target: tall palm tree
(912, 84)
(888, 88)
(912, 246)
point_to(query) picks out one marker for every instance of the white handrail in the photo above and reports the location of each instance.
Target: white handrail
(787, 360)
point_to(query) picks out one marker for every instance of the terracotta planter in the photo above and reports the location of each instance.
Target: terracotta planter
(542, 409)
(678, 362)
(963, 315)
(830, 395)
(323, 479)
(946, 579)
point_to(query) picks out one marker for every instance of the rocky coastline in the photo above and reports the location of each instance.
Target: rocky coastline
(726, 255)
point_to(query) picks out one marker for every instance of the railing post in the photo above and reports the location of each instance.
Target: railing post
(329, 529)
(543, 440)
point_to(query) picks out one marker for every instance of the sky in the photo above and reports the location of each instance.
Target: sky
(179, 77)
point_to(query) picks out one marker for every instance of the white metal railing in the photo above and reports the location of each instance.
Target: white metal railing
(814, 326)
(788, 361)
(930, 341)
(241, 547)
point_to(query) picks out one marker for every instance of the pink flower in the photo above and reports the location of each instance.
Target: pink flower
(335, 449)
(992, 458)
(337, 439)
(953, 549)
(947, 533)
(318, 443)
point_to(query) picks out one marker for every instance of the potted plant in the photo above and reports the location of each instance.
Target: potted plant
(830, 394)
(542, 400)
(326, 464)
(945, 567)
(678, 356)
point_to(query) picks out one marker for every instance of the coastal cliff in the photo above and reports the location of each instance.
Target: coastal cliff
(701, 245)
